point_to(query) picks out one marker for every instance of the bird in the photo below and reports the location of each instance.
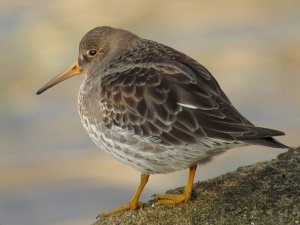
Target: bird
(155, 109)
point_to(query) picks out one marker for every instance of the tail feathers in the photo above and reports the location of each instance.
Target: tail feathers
(264, 136)
(269, 142)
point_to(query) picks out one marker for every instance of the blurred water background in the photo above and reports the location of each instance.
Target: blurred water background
(50, 171)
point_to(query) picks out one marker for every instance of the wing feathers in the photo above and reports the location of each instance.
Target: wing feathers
(176, 105)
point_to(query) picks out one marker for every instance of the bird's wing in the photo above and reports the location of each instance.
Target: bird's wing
(173, 103)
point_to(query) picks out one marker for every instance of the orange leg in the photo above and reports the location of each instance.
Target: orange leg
(164, 199)
(134, 201)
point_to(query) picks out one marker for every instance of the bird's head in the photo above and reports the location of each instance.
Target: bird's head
(97, 45)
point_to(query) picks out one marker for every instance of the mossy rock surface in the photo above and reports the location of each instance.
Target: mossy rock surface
(266, 193)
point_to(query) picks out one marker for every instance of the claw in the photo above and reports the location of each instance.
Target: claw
(168, 199)
(128, 206)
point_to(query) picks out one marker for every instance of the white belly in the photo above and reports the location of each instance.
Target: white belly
(153, 158)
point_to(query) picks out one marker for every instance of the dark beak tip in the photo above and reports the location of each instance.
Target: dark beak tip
(39, 92)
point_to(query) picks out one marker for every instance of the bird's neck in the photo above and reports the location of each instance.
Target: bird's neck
(89, 97)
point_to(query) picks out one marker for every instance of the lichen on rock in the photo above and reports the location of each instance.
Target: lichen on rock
(266, 193)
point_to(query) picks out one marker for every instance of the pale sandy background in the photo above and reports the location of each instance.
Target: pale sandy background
(50, 171)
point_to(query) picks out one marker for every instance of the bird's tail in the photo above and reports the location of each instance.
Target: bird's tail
(268, 141)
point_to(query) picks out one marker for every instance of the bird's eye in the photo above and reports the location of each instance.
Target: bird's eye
(92, 52)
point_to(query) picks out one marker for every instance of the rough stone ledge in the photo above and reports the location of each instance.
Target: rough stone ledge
(265, 193)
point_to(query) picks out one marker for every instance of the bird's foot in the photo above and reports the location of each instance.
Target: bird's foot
(168, 199)
(129, 206)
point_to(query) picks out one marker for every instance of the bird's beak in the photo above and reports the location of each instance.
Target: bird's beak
(70, 72)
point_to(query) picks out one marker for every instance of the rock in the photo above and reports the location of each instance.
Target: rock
(263, 193)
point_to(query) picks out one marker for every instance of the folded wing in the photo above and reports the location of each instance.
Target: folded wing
(176, 103)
